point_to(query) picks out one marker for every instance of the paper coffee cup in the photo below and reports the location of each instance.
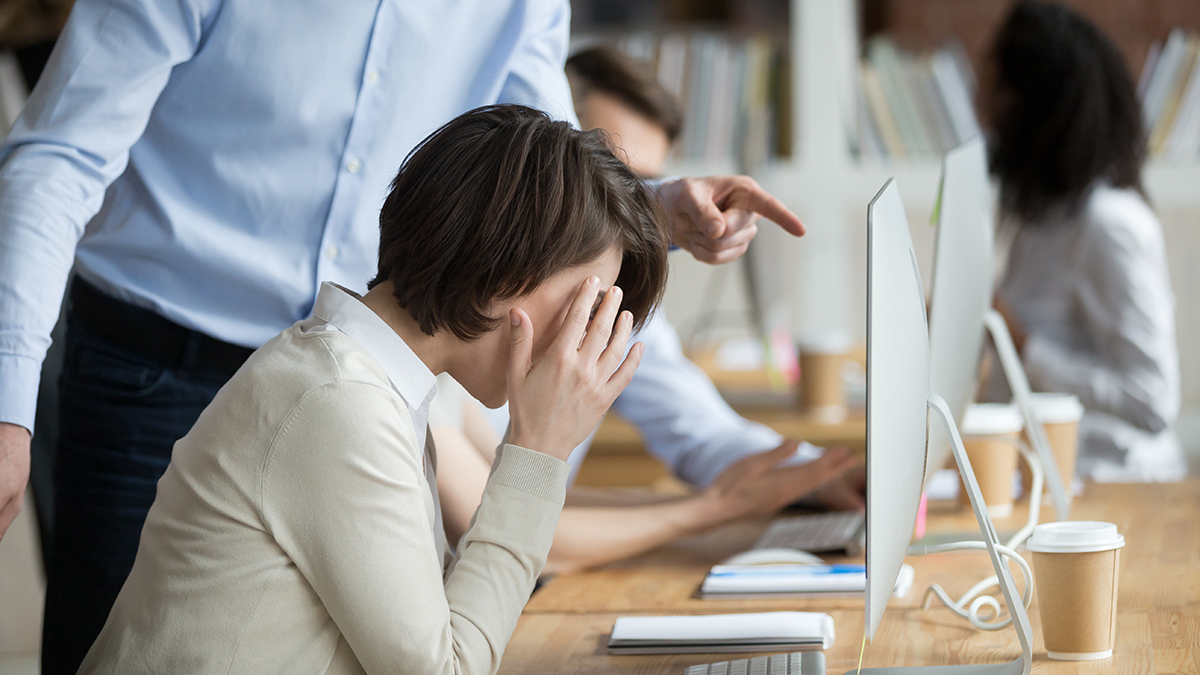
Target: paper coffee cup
(1059, 415)
(1075, 568)
(989, 432)
(821, 360)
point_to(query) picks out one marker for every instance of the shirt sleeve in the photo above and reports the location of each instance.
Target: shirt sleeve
(536, 76)
(681, 416)
(71, 141)
(1128, 308)
(345, 496)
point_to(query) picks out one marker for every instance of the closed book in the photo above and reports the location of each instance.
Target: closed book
(744, 581)
(722, 633)
(947, 138)
(914, 82)
(886, 61)
(721, 98)
(754, 117)
(700, 66)
(672, 63)
(1165, 70)
(1148, 69)
(955, 94)
(870, 142)
(1166, 119)
(1183, 142)
(880, 111)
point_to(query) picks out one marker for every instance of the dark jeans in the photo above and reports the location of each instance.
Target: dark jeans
(120, 415)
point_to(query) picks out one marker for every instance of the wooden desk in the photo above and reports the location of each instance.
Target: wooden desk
(566, 623)
(1161, 524)
(1148, 641)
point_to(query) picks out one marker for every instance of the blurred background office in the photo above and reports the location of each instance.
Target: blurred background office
(821, 101)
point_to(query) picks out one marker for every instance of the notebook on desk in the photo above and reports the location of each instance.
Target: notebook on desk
(722, 633)
(757, 581)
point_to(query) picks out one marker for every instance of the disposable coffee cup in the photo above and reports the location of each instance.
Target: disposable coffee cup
(821, 360)
(1075, 567)
(1059, 415)
(990, 432)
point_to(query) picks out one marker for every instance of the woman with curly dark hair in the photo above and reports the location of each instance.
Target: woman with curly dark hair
(1086, 292)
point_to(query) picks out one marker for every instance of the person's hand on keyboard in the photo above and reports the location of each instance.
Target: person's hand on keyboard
(847, 492)
(758, 487)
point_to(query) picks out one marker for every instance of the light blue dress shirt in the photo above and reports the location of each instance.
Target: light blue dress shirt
(216, 160)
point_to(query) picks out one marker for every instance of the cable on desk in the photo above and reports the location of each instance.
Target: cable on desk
(978, 601)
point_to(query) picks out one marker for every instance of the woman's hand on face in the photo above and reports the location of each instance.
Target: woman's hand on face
(555, 403)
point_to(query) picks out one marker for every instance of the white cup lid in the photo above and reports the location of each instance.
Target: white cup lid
(1053, 408)
(989, 419)
(1075, 536)
(828, 342)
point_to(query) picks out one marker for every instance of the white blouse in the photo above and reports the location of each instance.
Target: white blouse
(1093, 293)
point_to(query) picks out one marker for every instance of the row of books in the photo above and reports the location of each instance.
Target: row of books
(732, 89)
(12, 92)
(1169, 89)
(914, 105)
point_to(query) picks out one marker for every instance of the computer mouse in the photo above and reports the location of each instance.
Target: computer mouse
(773, 556)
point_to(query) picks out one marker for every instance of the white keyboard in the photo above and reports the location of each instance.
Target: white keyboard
(797, 663)
(815, 533)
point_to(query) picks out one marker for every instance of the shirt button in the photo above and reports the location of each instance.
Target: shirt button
(331, 252)
(353, 166)
(373, 77)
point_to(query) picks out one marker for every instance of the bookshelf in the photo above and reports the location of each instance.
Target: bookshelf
(829, 185)
(821, 277)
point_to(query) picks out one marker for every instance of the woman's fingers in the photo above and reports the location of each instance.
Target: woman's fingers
(620, 379)
(575, 326)
(611, 357)
(601, 326)
(520, 355)
(809, 477)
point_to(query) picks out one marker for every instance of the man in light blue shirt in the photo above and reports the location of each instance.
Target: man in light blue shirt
(203, 165)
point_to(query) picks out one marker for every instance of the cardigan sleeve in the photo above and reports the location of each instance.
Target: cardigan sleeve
(344, 494)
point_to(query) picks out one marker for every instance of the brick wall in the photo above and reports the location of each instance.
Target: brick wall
(1133, 25)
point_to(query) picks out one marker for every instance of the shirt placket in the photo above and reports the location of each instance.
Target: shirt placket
(363, 125)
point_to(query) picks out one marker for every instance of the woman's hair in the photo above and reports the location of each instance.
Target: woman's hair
(497, 201)
(631, 82)
(1067, 112)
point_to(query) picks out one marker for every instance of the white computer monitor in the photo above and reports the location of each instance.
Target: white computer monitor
(898, 398)
(961, 289)
(960, 309)
(897, 387)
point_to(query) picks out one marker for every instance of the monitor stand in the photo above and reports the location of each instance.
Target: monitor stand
(1023, 664)
(1014, 372)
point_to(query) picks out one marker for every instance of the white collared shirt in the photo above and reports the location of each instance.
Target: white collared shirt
(1093, 293)
(343, 310)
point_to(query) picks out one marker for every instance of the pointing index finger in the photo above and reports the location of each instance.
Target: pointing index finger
(753, 198)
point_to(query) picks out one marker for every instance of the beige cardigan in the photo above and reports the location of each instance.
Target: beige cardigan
(293, 533)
